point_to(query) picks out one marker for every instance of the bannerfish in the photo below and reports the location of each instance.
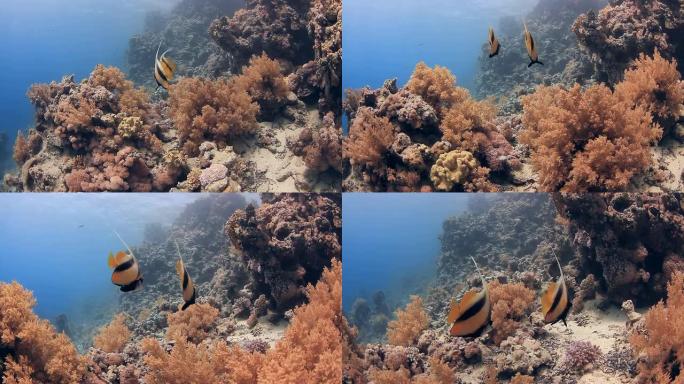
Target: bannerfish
(126, 272)
(531, 49)
(494, 45)
(471, 315)
(188, 287)
(555, 303)
(164, 69)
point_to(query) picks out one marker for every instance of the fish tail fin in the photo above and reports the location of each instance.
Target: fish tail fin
(530, 64)
(533, 62)
(540, 63)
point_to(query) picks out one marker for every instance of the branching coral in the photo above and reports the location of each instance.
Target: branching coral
(511, 303)
(38, 352)
(654, 84)
(287, 242)
(586, 141)
(264, 82)
(370, 137)
(114, 336)
(410, 323)
(193, 324)
(661, 344)
(210, 110)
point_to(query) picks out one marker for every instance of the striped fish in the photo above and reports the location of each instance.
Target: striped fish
(471, 315)
(164, 69)
(531, 49)
(494, 45)
(126, 272)
(188, 287)
(555, 303)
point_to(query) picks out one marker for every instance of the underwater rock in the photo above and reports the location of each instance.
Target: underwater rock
(626, 240)
(184, 31)
(286, 242)
(62, 325)
(521, 356)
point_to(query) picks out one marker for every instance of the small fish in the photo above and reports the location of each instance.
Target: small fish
(471, 315)
(81, 225)
(531, 49)
(555, 303)
(494, 45)
(126, 272)
(164, 69)
(189, 292)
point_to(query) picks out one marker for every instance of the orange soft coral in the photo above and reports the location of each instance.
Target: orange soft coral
(205, 110)
(654, 83)
(510, 304)
(436, 86)
(586, 141)
(38, 351)
(661, 343)
(439, 373)
(21, 149)
(370, 137)
(114, 336)
(264, 82)
(193, 324)
(410, 323)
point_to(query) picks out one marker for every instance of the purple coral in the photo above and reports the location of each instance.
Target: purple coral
(580, 354)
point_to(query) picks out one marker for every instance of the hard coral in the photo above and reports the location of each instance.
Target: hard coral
(580, 355)
(264, 82)
(661, 344)
(37, 352)
(114, 336)
(626, 28)
(193, 324)
(455, 168)
(287, 242)
(410, 323)
(320, 146)
(210, 110)
(585, 141)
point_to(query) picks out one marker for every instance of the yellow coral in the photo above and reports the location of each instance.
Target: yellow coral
(452, 168)
(130, 127)
(114, 336)
(410, 323)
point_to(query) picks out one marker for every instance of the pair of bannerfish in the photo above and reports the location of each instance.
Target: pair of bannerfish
(128, 276)
(495, 47)
(471, 315)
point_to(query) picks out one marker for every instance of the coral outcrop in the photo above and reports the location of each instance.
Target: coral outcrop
(286, 243)
(629, 242)
(397, 136)
(618, 33)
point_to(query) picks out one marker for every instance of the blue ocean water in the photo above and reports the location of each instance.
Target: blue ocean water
(43, 40)
(384, 39)
(56, 245)
(390, 240)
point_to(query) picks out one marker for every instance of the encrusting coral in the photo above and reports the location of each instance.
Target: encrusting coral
(286, 243)
(30, 347)
(410, 323)
(114, 336)
(660, 341)
(206, 110)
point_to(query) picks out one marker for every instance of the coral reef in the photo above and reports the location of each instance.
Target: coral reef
(184, 31)
(265, 84)
(510, 304)
(659, 342)
(624, 29)
(192, 324)
(321, 146)
(629, 242)
(286, 242)
(410, 323)
(397, 136)
(579, 355)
